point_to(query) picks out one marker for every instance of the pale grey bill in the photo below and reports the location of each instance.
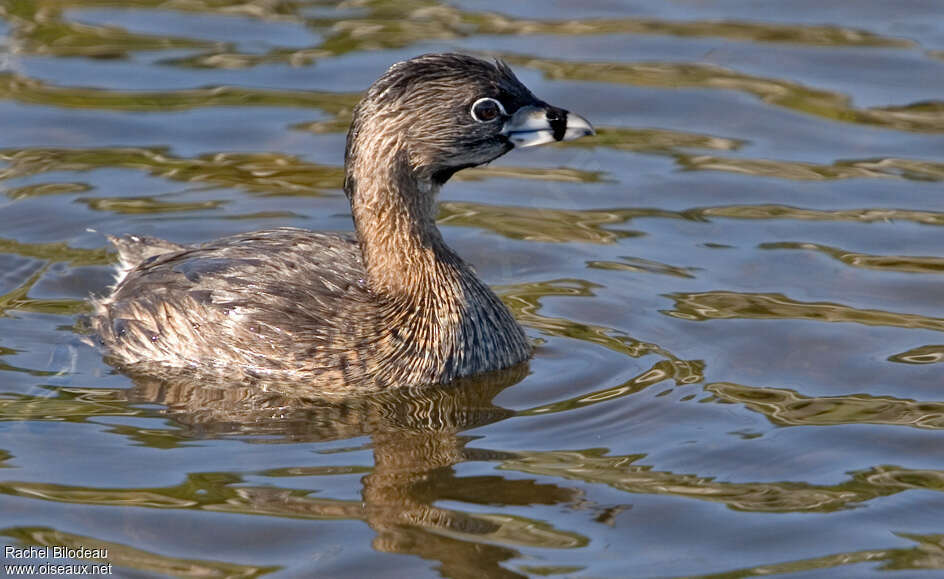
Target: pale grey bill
(529, 126)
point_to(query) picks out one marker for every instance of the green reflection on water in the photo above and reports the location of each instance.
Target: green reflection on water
(38, 28)
(588, 225)
(921, 116)
(136, 205)
(272, 174)
(19, 300)
(931, 354)
(886, 168)
(33, 91)
(389, 24)
(654, 140)
(265, 174)
(227, 493)
(41, 189)
(681, 371)
(414, 463)
(676, 145)
(549, 570)
(928, 553)
(774, 211)
(625, 474)
(524, 300)
(899, 263)
(787, 407)
(42, 28)
(539, 224)
(280, 174)
(69, 405)
(642, 265)
(383, 24)
(719, 305)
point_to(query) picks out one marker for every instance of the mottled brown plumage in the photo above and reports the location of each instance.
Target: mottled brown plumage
(393, 306)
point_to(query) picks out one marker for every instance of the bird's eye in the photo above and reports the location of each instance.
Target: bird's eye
(487, 109)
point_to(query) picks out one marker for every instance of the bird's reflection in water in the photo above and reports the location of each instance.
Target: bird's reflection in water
(417, 441)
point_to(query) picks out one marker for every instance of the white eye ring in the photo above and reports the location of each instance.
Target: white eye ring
(481, 100)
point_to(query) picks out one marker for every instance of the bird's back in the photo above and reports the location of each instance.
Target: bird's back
(278, 302)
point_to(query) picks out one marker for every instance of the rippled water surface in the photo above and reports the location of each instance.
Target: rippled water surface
(736, 291)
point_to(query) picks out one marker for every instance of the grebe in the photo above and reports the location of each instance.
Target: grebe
(390, 306)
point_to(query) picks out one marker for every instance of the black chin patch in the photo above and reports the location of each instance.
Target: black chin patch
(557, 118)
(444, 174)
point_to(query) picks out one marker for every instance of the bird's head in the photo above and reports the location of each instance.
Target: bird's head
(440, 113)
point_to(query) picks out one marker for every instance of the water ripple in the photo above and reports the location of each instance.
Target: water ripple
(725, 305)
(625, 473)
(786, 407)
(898, 263)
(918, 116)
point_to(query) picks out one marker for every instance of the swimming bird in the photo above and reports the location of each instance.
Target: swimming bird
(391, 305)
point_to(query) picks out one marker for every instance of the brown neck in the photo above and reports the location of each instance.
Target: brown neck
(444, 322)
(395, 219)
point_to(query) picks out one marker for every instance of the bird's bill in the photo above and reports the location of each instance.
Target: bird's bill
(537, 125)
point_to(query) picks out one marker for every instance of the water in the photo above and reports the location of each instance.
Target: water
(735, 288)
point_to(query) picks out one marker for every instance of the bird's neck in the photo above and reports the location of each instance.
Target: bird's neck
(442, 322)
(395, 218)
